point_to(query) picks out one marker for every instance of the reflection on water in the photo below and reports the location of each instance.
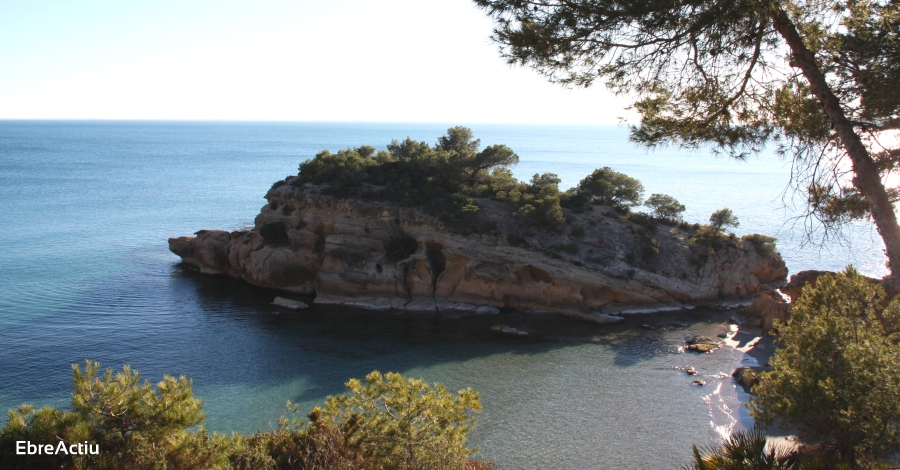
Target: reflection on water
(573, 395)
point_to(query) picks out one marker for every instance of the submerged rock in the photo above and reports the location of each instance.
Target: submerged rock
(768, 307)
(379, 255)
(702, 344)
(507, 330)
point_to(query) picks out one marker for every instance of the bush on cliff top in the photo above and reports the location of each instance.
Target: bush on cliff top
(444, 179)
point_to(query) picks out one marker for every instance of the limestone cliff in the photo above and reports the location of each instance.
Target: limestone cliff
(380, 255)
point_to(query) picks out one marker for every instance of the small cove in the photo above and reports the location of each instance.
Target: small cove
(89, 206)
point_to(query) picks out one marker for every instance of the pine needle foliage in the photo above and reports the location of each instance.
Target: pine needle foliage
(816, 79)
(836, 374)
(389, 422)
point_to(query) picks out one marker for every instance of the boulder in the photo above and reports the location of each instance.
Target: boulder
(702, 344)
(768, 307)
(507, 330)
(747, 377)
(289, 303)
(795, 285)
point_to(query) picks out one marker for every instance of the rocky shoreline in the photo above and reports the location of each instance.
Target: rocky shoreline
(382, 256)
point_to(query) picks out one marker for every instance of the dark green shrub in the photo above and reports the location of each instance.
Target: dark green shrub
(608, 187)
(723, 218)
(836, 376)
(540, 203)
(711, 239)
(649, 247)
(387, 422)
(665, 207)
(640, 218)
(761, 243)
(750, 450)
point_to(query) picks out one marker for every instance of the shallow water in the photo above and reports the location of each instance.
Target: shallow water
(88, 206)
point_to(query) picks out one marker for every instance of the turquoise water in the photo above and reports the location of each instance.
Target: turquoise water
(85, 273)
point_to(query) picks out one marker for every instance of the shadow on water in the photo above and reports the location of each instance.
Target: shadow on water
(225, 335)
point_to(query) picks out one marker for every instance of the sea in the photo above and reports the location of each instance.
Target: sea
(85, 273)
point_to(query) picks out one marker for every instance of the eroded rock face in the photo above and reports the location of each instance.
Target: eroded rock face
(798, 281)
(768, 306)
(346, 251)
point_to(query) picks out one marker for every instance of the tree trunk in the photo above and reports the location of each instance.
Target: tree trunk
(866, 178)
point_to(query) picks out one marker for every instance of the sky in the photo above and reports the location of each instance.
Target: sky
(274, 60)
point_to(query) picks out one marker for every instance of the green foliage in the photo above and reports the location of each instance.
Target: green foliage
(836, 374)
(445, 179)
(748, 450)
(441, 178)
(405, 423)
(388, 422)
(539, 203)
(723, 218)
(707, 240)
(649, 247)
(127, 419)
(640, 218)
(610, 188)
(343, 169)
(711, 72)
(762, 243)
(665, 207)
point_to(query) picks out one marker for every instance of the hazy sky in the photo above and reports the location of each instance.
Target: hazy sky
(297, 60)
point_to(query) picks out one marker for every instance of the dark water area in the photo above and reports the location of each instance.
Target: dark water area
(85, 273)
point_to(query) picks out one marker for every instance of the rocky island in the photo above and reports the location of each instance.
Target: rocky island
(377, 232)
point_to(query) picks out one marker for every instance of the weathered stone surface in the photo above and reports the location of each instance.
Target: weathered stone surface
(703, 347)
(507, 330)
(702, 344)
(289, 303)
(768, 307)
(336, 249)
(747, 377)
(793, 288)
(603, 318)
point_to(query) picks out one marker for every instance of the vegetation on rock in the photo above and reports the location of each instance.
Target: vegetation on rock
(446, 178)
(609, 188)
(749, 450)
(836, 374)
(817, 78)
(723, 218)
(665, 207)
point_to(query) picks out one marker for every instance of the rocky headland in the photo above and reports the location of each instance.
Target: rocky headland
(376, 254)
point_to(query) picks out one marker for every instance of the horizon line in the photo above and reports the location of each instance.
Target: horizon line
(282, 121)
